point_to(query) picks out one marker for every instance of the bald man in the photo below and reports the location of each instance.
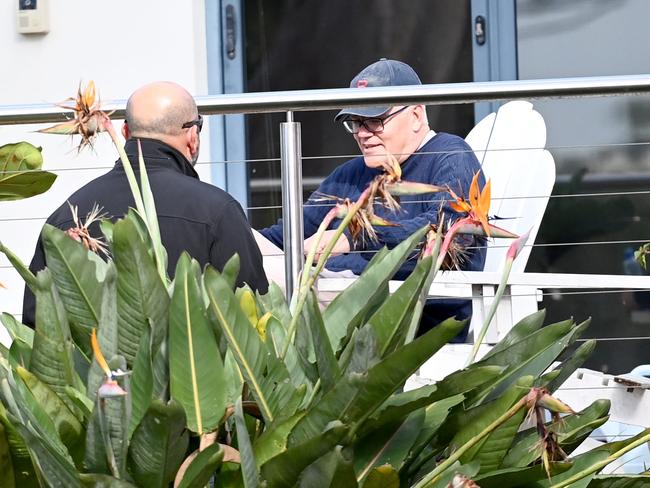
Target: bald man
(194, 216)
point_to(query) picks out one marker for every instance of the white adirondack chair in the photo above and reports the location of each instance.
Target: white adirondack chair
(510, 146)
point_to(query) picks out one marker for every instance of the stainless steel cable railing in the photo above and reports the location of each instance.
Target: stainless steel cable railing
(307, 100)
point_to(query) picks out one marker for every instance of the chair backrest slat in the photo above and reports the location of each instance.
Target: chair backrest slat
(522, 173)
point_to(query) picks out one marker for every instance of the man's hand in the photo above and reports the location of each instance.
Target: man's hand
(341, 247)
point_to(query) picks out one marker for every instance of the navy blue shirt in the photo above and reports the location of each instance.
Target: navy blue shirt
(445, 160)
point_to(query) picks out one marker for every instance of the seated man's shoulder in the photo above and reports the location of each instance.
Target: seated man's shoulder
(451, 140)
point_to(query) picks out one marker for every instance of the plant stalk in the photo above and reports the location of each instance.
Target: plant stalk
(601, 464)
(433, 476)
(128, 169)
(108, 445)
(417, 315)
(507, 267)
(311, 277)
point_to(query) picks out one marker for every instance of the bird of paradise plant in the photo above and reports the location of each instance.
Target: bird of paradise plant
(360, 218)
(534, 403)
(475, 220)
(207, 361)
(89, 120)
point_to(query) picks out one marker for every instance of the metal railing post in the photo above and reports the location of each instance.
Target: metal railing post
(291, 162)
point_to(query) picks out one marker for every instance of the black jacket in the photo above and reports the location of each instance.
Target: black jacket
(194, 216)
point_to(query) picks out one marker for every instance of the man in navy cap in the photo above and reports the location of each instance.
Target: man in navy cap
(424, 155)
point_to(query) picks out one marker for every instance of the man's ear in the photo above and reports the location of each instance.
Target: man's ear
(419, 117)
(193, 140)
(126, 133)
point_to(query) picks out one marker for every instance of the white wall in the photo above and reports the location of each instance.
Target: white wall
(121, 45)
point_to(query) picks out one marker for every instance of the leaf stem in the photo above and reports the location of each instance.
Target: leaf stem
(430, 479)
(601, 464)
(304, 289)
(493, 308)
(108, 445)
(128, 169)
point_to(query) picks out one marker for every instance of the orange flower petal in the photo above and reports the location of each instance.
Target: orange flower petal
(484, 198)
(88, 97)
(474, 191)
(459, 206)
(98, 354)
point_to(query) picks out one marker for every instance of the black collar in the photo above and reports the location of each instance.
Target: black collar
(157, 154)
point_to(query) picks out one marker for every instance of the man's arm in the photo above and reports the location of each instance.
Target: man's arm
(314, 210)
(454, 170)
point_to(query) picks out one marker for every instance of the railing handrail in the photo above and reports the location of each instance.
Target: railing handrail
(335, 98)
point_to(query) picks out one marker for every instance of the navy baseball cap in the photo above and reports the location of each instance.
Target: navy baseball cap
(385, 72)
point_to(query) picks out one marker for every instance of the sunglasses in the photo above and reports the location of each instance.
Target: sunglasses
(198, 122)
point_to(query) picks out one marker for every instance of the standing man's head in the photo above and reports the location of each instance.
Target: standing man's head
(381, 130)
(167, 112)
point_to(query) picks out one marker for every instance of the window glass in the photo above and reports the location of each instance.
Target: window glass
(600, 145)
(311, 44)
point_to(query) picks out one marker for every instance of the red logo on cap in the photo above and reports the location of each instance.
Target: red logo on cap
(362, 83)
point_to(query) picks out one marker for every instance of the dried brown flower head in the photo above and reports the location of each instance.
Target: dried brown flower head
(88, 118)
(80, 232)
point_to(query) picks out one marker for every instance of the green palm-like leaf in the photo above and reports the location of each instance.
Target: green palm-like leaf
(20, 174)
(284, 469)
(357, 396)
(16, 330)
(620, 481)
(434, 415)
(107, 431)
(521, 330)
(348, 308)
(142, 299)
(274, 441)
(151, 217)
(249, 472)
(21, 461)
(333, 470)
(52, 465)
(103, 481)
(275, 337)
(398, 406)
(7, 479)
(493, 448)
(65, 422)
(20, 156)
(231, 270)
(51, 359)
(276, 303)
(328, 368)
(387, 446)
(390, 321)
(141, 382)
(78, 274)
(107, 335)
(382, 477)
(243, 339)
(518, 477)
(202, 467)
(196, 368)
(26, 413)
(523, 452)
(530, 356)
(158, 445)
(568, 367)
